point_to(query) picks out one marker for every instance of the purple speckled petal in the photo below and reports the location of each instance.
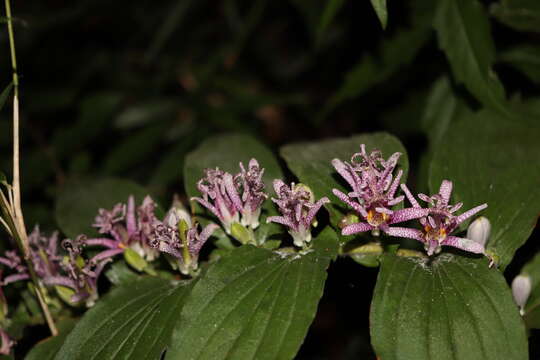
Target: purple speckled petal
(425, 198)
(347, 201)
(311, 214)
(467, 214)
(408, 214)
(281, 220)
(395, 184)
(207, 232)
(131, 224)
(15, 277)
(382, 210)
(464, 244)
(60, 280)
(410, 196)
(356, 228)
(396, 200)
(232, 192)
(111, 244)
(445, 191)
(456, 207)
(105, 255)
(405, 233)
(208, 206)
(342, 170)
(278, 183)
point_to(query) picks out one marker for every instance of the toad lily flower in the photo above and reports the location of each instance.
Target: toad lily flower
(80, 283)
(127, 227)
(179, 237)
(221, 195)
(440, 223)
(298, 209)
(373, 192)
(43, 254)
(253, 194)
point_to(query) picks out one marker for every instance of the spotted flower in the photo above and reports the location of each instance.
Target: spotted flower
(179, 237)
(440, 222)
(298, 208)
(125, 227)
(228, 197)
(43, 254)
(373, 192)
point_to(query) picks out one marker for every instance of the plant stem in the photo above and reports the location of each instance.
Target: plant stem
(19, 230)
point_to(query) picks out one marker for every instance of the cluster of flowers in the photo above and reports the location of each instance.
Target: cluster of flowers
(236, 201)
(373, 197)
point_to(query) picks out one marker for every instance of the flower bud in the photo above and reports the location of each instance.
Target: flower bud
(521, 289)
(479, 230)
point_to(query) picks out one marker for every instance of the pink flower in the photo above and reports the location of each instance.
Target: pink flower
(298, 209)
(373, 192)
(440, 222)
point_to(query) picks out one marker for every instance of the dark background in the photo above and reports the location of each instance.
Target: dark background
(127, 88)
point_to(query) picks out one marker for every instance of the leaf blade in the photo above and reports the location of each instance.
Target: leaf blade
(471, 313)
(252, 304)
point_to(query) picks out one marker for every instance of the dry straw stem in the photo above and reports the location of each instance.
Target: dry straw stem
(13, 211)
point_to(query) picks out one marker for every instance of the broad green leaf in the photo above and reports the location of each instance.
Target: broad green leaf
(120, 273)
(494, 159)
(522, 15)
(442, 108)
(452, 308)
(253, 304)
(464, 35)
(48, 348)
(526, 59)
(79, 201)
(380, 8)
(134, 321)
(226, 152)
(395, 53)
(135, 149)
(311, 163)
(532, 307)
(94, 117)
(330, 11)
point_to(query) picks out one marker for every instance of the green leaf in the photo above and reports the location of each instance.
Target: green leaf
(135, 320)
(311, 163)
(526, 59)
(119, 273)
(442, 108)
(464, 35)
(135, 149)
(522, 15)
(452, 308)
(380, 8)
(226, 152)
(79, 201)
(4, 95)
(494, 159)
(253, 304)
(396, 52)
(48, 348)
(330, 11)
(532, 307)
